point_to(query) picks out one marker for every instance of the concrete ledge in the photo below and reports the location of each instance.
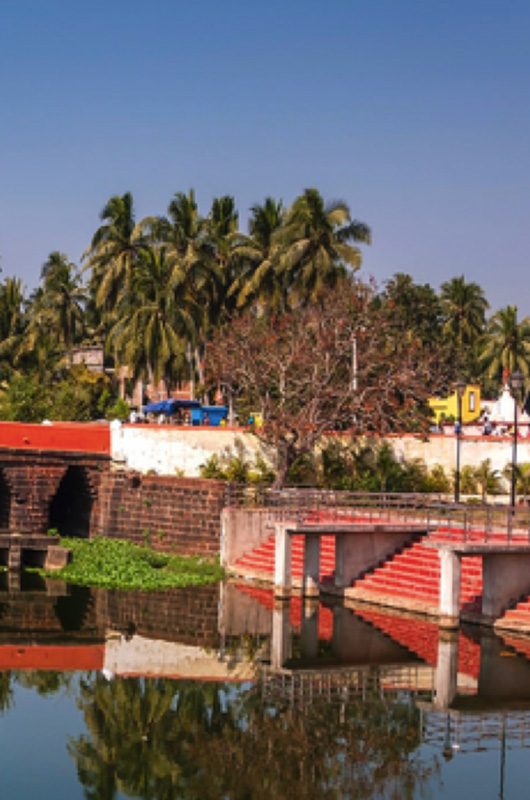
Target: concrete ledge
(57, 557)
(355, 595)
(463, 549)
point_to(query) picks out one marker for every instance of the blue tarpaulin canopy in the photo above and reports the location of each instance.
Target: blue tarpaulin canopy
(169, 406)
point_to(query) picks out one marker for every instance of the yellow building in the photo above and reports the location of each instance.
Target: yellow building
(447, 407)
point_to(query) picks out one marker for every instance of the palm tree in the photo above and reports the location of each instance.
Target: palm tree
(463, 319)
(222, 236)
(63, 297)
(113, 251)
(12, 324)
(315, 243)
(523, 480)
(507, 344)
(55, 317)
(155, 319)
(488, 479)
(258, 255)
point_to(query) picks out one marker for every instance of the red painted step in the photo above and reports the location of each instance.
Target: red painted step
(415, 573)
(262, 558)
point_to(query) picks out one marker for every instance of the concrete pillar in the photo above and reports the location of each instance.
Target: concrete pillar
(13, 581)
(505, 577)
(14, 557)
(309, 633)
(281, 642)
(346, 567)
(337, 637)
(311, 575)
(282, 562)
(450, 576)
(446, 670)
(359, 551)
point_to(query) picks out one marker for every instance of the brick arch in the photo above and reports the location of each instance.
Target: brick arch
(71, 506)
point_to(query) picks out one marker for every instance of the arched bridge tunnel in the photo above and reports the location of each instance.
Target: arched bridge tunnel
(42, 490)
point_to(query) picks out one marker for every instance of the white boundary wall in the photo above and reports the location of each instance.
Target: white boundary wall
(170, 450)
(441, 449)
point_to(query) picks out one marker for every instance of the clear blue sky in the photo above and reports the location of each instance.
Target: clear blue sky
(416, 113)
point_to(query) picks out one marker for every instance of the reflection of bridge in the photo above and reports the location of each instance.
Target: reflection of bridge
(457, 731)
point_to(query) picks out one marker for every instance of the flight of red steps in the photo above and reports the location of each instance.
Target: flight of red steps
(411, 574)
(414, 574)
(260, 562)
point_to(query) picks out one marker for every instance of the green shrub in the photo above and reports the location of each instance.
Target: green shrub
(117, 564)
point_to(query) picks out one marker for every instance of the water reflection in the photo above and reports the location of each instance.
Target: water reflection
(219, 693)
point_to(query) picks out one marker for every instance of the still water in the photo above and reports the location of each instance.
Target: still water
(215, 693)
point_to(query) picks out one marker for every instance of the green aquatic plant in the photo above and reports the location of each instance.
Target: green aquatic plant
(118, 564)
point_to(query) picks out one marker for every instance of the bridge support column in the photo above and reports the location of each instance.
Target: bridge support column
(311, 576)
(309, 633)
(281, 643)
(343, 557)
(505, 577)
(282, 562)
(446, 670)
(14, 557)
(450, 578)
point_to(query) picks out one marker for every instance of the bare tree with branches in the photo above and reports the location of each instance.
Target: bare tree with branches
(331, 366)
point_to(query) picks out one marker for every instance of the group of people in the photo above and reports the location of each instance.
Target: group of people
(484, 426)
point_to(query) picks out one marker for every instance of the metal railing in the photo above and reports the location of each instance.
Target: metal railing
(473, 523)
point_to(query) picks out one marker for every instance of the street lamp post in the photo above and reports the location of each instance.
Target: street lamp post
(516, 384)
(460, 390)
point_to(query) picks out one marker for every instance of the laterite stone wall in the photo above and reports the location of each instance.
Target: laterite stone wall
(181, 515)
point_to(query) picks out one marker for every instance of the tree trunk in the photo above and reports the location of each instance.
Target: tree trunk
(286, 456)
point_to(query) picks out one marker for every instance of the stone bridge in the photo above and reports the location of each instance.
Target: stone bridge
(62, 476)
(51, 489)
(50, 476)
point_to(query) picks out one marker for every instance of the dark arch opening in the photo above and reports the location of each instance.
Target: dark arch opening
(5, 502)
(71, 507)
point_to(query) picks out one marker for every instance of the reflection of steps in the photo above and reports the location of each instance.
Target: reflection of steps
(517, 617)
(420, 637)
(265, 598)
(521, 646)
(414, 574)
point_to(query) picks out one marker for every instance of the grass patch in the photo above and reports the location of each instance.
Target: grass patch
(117, 564)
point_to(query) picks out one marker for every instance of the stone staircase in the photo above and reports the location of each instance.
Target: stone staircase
(411, 574)
(412, 577)
(409, 579)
